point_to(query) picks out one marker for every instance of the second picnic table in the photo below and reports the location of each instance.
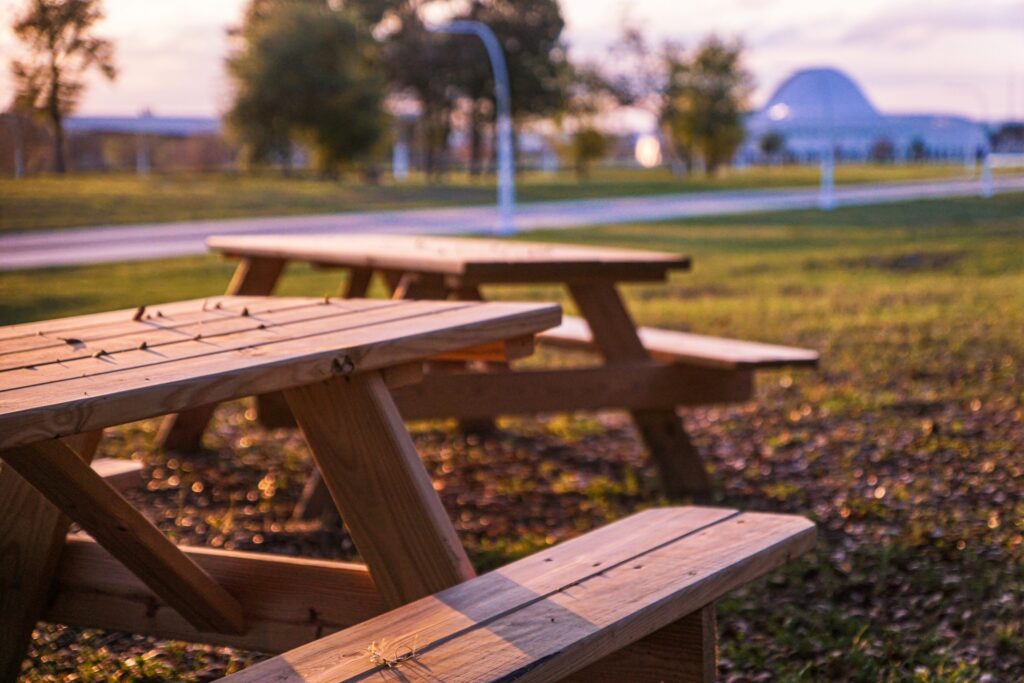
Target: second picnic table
(649, 372)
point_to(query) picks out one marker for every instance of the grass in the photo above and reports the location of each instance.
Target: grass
(51, 202)
(905, 447)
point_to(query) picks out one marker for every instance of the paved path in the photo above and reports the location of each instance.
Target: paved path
(40, 249)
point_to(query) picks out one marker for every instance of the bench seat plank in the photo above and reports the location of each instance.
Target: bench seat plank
(557, 611)
(120, 473)
(692, 349)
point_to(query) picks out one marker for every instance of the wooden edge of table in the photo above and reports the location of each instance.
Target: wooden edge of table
(256, 376)
(645, 266)
(286, 601)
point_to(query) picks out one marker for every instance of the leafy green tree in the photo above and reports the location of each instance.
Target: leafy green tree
(58, 35)
(308, 73)
(530, 33)
(421, 64)
(772, 144)
(706, 97)
(588, 145)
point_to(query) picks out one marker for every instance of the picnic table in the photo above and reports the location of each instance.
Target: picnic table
(336, 361)
(649, 372)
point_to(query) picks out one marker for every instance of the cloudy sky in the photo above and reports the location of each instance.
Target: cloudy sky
(946, 56)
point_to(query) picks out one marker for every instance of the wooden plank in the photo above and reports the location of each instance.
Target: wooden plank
(641, 385)
(376, 478)
(286, 601)
(474, 260)
(334, 315)
(680, 465)
(541, 619)
(119, 473)
(696, 349)
(70, 484)
(52, 364)
(83, 325)
(268, 363)
(32, 533)
(682, 652)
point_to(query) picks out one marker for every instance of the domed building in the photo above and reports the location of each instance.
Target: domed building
(815, 108)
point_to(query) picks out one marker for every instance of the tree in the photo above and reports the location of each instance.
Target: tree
(530, 33)
(705, 99)
(588, 145)
(772, 144)
(62, 48)
(306, 73)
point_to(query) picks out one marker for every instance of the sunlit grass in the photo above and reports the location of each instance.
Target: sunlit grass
(104, 199)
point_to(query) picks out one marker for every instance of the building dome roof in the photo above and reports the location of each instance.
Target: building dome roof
(819, 97)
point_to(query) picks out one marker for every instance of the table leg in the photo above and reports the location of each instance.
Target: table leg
(184, 432)
(480, 425)
(375, 476)
(32, 531)
(682, 472)
(316, 499)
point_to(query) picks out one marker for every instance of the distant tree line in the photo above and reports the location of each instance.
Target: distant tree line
(319, 75)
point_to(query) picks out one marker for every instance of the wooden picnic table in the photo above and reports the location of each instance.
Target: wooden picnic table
(648, 372)
(335, 360)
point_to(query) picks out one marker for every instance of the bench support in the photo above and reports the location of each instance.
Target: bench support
(68, 482)
(33, 531)
(682, 652)
(287, 601)
(682, 472)
(391, 509)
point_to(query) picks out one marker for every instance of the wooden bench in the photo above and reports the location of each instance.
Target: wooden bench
(689, 349)
(648, 372)
(121, 474)
(631, 601)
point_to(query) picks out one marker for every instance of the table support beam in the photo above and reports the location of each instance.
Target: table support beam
(375, 476)
(682, 471)
(32, 531)
(68, 482)
(287, 601)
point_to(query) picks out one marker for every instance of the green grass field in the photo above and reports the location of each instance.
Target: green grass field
(50, 202)
(906, 447)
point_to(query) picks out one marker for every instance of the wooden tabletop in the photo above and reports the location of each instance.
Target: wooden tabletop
(474, 260)
(73, 375)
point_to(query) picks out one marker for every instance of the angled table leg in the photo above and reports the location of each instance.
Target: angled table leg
(682, 472)
(184, 431)
(60, 474)
(375, 476)
(481, 426)
(316, 499)
(32, 531)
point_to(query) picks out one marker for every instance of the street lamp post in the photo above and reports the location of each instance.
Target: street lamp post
(502, 98)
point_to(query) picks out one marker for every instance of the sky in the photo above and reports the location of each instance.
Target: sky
(910, 56)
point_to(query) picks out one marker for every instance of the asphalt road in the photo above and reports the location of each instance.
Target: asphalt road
(100, 244)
